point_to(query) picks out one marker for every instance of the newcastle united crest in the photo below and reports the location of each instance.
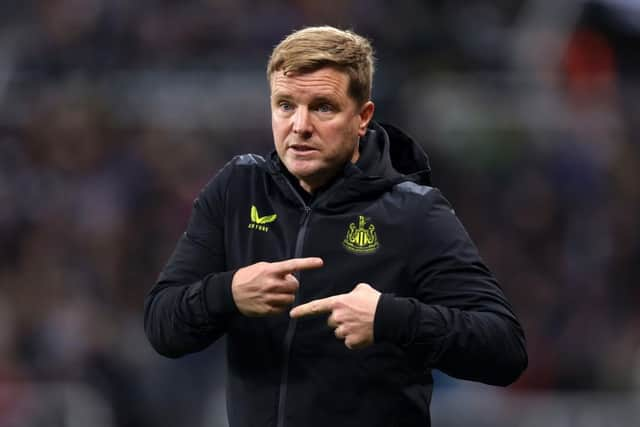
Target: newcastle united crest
(361, 239)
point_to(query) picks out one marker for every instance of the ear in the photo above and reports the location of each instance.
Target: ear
(366, 114)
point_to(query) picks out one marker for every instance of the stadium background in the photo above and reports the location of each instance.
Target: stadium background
(114, 113)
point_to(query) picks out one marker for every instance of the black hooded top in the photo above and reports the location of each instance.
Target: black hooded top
(378, 222)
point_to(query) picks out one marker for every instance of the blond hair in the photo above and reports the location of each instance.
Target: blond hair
(313, 48)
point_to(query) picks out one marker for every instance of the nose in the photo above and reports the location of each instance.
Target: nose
(302, 123)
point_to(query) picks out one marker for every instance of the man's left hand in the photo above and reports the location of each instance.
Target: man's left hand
(350, 315)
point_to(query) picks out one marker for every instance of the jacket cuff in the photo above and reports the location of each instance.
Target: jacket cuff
(218, 296)
(406, 321)
(393, 319)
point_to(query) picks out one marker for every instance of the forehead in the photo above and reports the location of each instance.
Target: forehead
(327, 82)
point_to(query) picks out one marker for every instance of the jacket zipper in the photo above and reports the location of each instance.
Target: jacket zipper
(291, 328)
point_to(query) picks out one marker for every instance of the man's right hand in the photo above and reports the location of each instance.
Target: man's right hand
(267, 288)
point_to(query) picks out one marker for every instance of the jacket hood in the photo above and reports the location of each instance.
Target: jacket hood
(388, 152)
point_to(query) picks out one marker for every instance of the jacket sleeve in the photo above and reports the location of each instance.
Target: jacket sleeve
(459, 320)
(191, 304)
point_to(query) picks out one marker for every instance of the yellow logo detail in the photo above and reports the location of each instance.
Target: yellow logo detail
(361, 239)
(258, 222)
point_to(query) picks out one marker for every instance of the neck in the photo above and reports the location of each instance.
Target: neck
(312, 184)
(307, 187)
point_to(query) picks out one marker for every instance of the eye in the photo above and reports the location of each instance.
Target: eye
(285, 106)
(325, 108)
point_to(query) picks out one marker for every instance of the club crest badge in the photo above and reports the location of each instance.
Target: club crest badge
(361, 239)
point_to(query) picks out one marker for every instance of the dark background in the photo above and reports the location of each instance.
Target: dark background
(114, 113)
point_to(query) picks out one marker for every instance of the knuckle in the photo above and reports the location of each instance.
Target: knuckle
(291, 284)
(261, 310)
(273, 310)
(271, 283)
(279, 288)
(354, 342)
(270, 267)
(279, 299)
(340, 304)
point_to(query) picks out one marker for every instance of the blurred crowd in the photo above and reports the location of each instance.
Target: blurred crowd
(536, 149)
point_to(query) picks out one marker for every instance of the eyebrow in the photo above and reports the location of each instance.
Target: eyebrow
(278, 96)
(281, 95)
(325, 99)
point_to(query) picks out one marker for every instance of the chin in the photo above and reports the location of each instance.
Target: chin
(303, 175)
(302, 169)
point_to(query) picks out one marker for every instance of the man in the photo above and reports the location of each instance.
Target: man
(339, 276)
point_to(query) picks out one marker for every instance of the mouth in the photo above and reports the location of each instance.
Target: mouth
(302, 148)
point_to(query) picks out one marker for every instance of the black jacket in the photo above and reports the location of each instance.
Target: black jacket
(377, 223)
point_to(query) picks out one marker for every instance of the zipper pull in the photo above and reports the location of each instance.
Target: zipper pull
(305, 214)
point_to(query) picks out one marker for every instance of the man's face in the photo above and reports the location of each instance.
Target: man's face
(316, 124)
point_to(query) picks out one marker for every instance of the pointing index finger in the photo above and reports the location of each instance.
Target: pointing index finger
(319, 306)
(297, 264)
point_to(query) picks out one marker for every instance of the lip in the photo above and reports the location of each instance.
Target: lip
(302, 148)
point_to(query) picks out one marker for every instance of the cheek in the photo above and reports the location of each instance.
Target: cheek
(341, 141)
(349, 133)
(279, 132)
